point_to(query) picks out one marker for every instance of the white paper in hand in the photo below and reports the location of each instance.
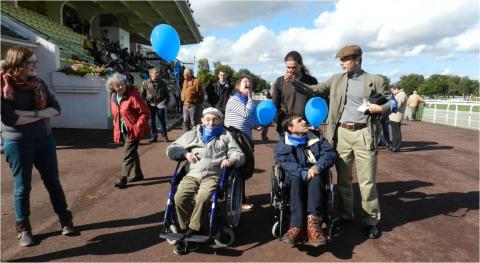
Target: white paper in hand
(364, 106)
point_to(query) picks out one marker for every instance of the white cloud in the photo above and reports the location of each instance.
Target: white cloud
(226, 14)
(465, 42)
(394, 74)
(389, 31)
(447, 71)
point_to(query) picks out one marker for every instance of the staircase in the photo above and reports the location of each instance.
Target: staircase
(70, 42)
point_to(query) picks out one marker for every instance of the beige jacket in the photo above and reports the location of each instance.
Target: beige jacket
(401, 98)
(414, 100)
(336, 88)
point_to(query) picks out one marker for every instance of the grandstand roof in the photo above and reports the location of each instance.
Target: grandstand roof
(142, 16)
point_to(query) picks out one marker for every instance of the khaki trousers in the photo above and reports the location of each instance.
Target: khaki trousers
(357, 146)
(192, 198)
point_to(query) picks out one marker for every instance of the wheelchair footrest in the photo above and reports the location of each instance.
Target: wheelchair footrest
(171, 236)
(197, 239)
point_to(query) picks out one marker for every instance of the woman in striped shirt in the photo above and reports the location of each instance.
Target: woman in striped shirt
(240, 113)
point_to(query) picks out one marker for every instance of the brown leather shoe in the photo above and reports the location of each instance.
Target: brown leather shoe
(294, 235)
(316, 237)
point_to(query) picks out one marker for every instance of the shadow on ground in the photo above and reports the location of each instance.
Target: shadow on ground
(413, 146)
(84, 139)
(122, 242)
(402, 202)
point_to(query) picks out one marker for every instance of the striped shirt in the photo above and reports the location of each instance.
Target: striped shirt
(241, 116)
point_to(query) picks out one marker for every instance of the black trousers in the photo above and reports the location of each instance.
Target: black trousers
(396, 134)
(306, 198)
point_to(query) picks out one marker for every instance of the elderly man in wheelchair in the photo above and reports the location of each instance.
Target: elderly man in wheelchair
(305, 157)
(208, 149)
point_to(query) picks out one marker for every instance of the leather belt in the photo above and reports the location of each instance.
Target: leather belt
(353, 126)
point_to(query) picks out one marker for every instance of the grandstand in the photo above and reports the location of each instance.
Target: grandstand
(41, 25)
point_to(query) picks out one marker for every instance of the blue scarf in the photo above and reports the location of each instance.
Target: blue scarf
(210, 133)
(297, 140)
(242, 98)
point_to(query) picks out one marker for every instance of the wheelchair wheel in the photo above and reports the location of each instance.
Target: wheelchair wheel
(225, 237)
(276, 229)
(173, 229)
(234, 201)
(273, 190)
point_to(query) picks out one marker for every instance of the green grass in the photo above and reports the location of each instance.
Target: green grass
(452, 107)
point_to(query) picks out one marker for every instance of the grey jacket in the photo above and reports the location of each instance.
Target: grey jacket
(210, 155)
(336, 88)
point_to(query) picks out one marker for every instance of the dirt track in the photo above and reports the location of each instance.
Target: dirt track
(429, 194)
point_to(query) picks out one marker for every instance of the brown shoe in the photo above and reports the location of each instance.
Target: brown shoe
(316, 237)
(294, 235)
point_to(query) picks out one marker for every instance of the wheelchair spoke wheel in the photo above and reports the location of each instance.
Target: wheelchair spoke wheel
(225, 237)
(234, 201)
(276, 229)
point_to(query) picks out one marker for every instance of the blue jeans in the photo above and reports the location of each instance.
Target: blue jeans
(154, 112)
(306, 198)
(21, 155)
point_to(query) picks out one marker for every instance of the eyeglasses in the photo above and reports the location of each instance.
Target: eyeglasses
(32, 63)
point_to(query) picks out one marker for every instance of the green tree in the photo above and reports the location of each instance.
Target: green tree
(436, 85)
(204, 76)
(468, 87)
(229, 71)
(258, 83)
(411, 82)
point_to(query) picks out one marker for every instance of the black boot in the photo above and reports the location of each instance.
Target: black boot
(24, 236)
(121, 182)
(67, 224)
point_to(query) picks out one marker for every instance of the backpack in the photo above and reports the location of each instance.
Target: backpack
(246, 170)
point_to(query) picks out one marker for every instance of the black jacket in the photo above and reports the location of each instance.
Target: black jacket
(219, 94)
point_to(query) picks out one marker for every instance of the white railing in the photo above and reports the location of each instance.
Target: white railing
(452, 112)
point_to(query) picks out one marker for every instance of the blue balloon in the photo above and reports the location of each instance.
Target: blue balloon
(266, 112)
(165, 42)
(316, 111)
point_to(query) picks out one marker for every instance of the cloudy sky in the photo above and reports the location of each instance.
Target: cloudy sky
(398, 37)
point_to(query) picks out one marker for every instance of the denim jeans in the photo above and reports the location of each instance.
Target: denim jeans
(306, 198)
(154, 112)
(21, 156)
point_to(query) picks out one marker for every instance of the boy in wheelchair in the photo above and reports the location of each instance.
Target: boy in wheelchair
(305, 157)
(208, 149)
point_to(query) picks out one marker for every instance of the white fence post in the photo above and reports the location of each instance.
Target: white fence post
(446, 115)
(456, 114)
(470, 116)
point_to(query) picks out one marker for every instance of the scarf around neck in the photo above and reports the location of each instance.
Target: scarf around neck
(297, 140)
(210, 133)
(10, 85)
(242, 98)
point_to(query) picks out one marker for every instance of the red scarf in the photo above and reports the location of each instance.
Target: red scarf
(10, 84)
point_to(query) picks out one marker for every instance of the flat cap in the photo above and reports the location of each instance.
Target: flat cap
(349, 51)
(213, 111)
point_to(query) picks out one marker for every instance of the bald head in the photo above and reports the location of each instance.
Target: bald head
(187, 74)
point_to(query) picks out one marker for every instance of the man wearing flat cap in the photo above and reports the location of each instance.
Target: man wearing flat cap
(208, 149)
(353, 127)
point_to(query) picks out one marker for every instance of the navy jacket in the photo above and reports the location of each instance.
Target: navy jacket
(294, 160)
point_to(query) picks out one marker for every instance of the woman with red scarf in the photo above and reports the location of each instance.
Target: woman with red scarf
(131, 117)
(27, 106)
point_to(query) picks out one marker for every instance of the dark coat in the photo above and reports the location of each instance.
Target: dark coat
(293, 160)
(219, 94)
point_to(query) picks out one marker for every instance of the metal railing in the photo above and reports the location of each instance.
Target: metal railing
(456, 113)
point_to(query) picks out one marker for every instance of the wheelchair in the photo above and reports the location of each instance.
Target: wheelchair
(279, 201)
(224, 214)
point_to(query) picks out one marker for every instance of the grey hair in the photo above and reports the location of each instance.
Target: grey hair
(153, 69)
(115, 78)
